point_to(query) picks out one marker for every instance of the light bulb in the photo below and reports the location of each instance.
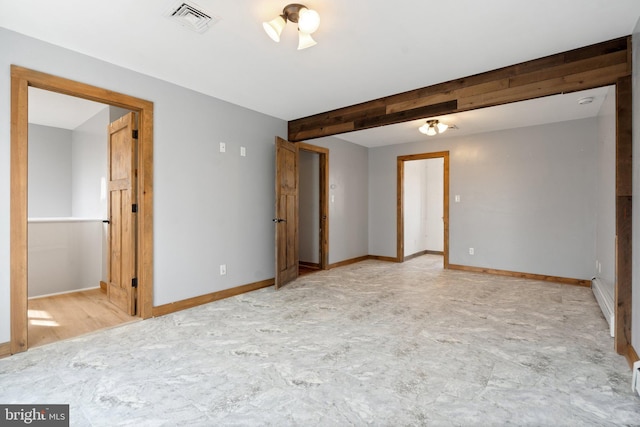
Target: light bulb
(308, 20)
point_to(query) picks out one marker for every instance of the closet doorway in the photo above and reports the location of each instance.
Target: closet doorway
(422, 228)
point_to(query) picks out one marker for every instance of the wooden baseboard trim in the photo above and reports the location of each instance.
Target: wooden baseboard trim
(162, 310)
(632, 355)
(348, 262)
(5, 349)
(542, 277)
(427, 252)
(103, 286)
(360, 259)
(383, 258)
(312, 265)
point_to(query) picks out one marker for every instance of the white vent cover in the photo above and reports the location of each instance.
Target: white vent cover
(191, 16)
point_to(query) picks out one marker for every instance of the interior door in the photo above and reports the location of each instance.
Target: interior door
(286, 219)
(121, 279)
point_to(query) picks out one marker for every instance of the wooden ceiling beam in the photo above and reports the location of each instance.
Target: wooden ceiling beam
(579, 69)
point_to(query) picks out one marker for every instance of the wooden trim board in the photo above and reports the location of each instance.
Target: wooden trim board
(21, 79)
(541, 277)
(421, 253)
(312, 265)
(5, 349)
(624, 204)
(588, 67)
(349, 261)
(162, 310)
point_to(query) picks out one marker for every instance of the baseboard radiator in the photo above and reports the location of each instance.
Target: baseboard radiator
(605, 301)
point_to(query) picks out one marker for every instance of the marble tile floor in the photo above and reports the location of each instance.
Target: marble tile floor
(373, 343)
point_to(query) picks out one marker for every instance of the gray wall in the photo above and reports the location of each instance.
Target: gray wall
(89, 167)
(49, 172)
(210, 208)
(348, 198)
(606, 202)
(527, 198)
(635, 306)
(309, 202)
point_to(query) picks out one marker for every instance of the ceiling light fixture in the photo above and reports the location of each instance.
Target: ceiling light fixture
(307, 19)
(433, 127)
(586, 100)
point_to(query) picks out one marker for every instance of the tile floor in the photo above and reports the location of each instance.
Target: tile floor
(373, 343)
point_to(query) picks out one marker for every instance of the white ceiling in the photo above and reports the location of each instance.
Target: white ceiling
(60, 111)
(366, 48)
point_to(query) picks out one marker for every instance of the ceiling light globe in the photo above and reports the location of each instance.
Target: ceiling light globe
(442, 127)
(305, 40)
(308, 20)
(424, 128)
(274, 28)
(432, 131)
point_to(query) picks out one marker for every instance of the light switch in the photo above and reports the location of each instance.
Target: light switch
(243, 151)
(223, 147)
(457, 198)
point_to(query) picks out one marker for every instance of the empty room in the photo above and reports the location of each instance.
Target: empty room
(372, 213)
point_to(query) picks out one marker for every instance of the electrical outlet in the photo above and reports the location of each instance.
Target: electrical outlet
(223, 269)
(223, 147)
(472, 251)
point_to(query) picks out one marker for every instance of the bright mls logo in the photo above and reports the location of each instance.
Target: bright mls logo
(34, 415)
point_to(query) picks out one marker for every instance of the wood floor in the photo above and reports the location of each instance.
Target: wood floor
(65, 316)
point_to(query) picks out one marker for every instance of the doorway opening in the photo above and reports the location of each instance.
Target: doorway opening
(423, 209)
(21, 80)
(313, 208)
(287, 212)
(68, 217)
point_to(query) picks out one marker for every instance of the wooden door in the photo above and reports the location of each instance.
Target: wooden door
(286, 219)
(121, 279)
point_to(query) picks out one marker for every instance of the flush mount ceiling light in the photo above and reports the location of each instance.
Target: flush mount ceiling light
(586, 100)
(308, 22)
(433, 127)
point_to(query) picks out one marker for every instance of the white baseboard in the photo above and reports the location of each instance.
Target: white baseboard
(606, 303)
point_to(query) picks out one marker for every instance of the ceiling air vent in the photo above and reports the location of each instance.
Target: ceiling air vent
(191, 16)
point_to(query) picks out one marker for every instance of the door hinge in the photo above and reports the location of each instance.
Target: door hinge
(134, 282)
(134, 134)
(134, 208)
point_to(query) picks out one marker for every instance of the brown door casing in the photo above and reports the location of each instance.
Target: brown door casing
(400, 202)
(21, 79)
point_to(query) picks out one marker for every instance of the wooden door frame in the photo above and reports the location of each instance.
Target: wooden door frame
(400, 201)
(21, 79)
(323, 202)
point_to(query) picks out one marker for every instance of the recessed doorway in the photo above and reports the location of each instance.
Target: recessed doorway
(21, 80)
